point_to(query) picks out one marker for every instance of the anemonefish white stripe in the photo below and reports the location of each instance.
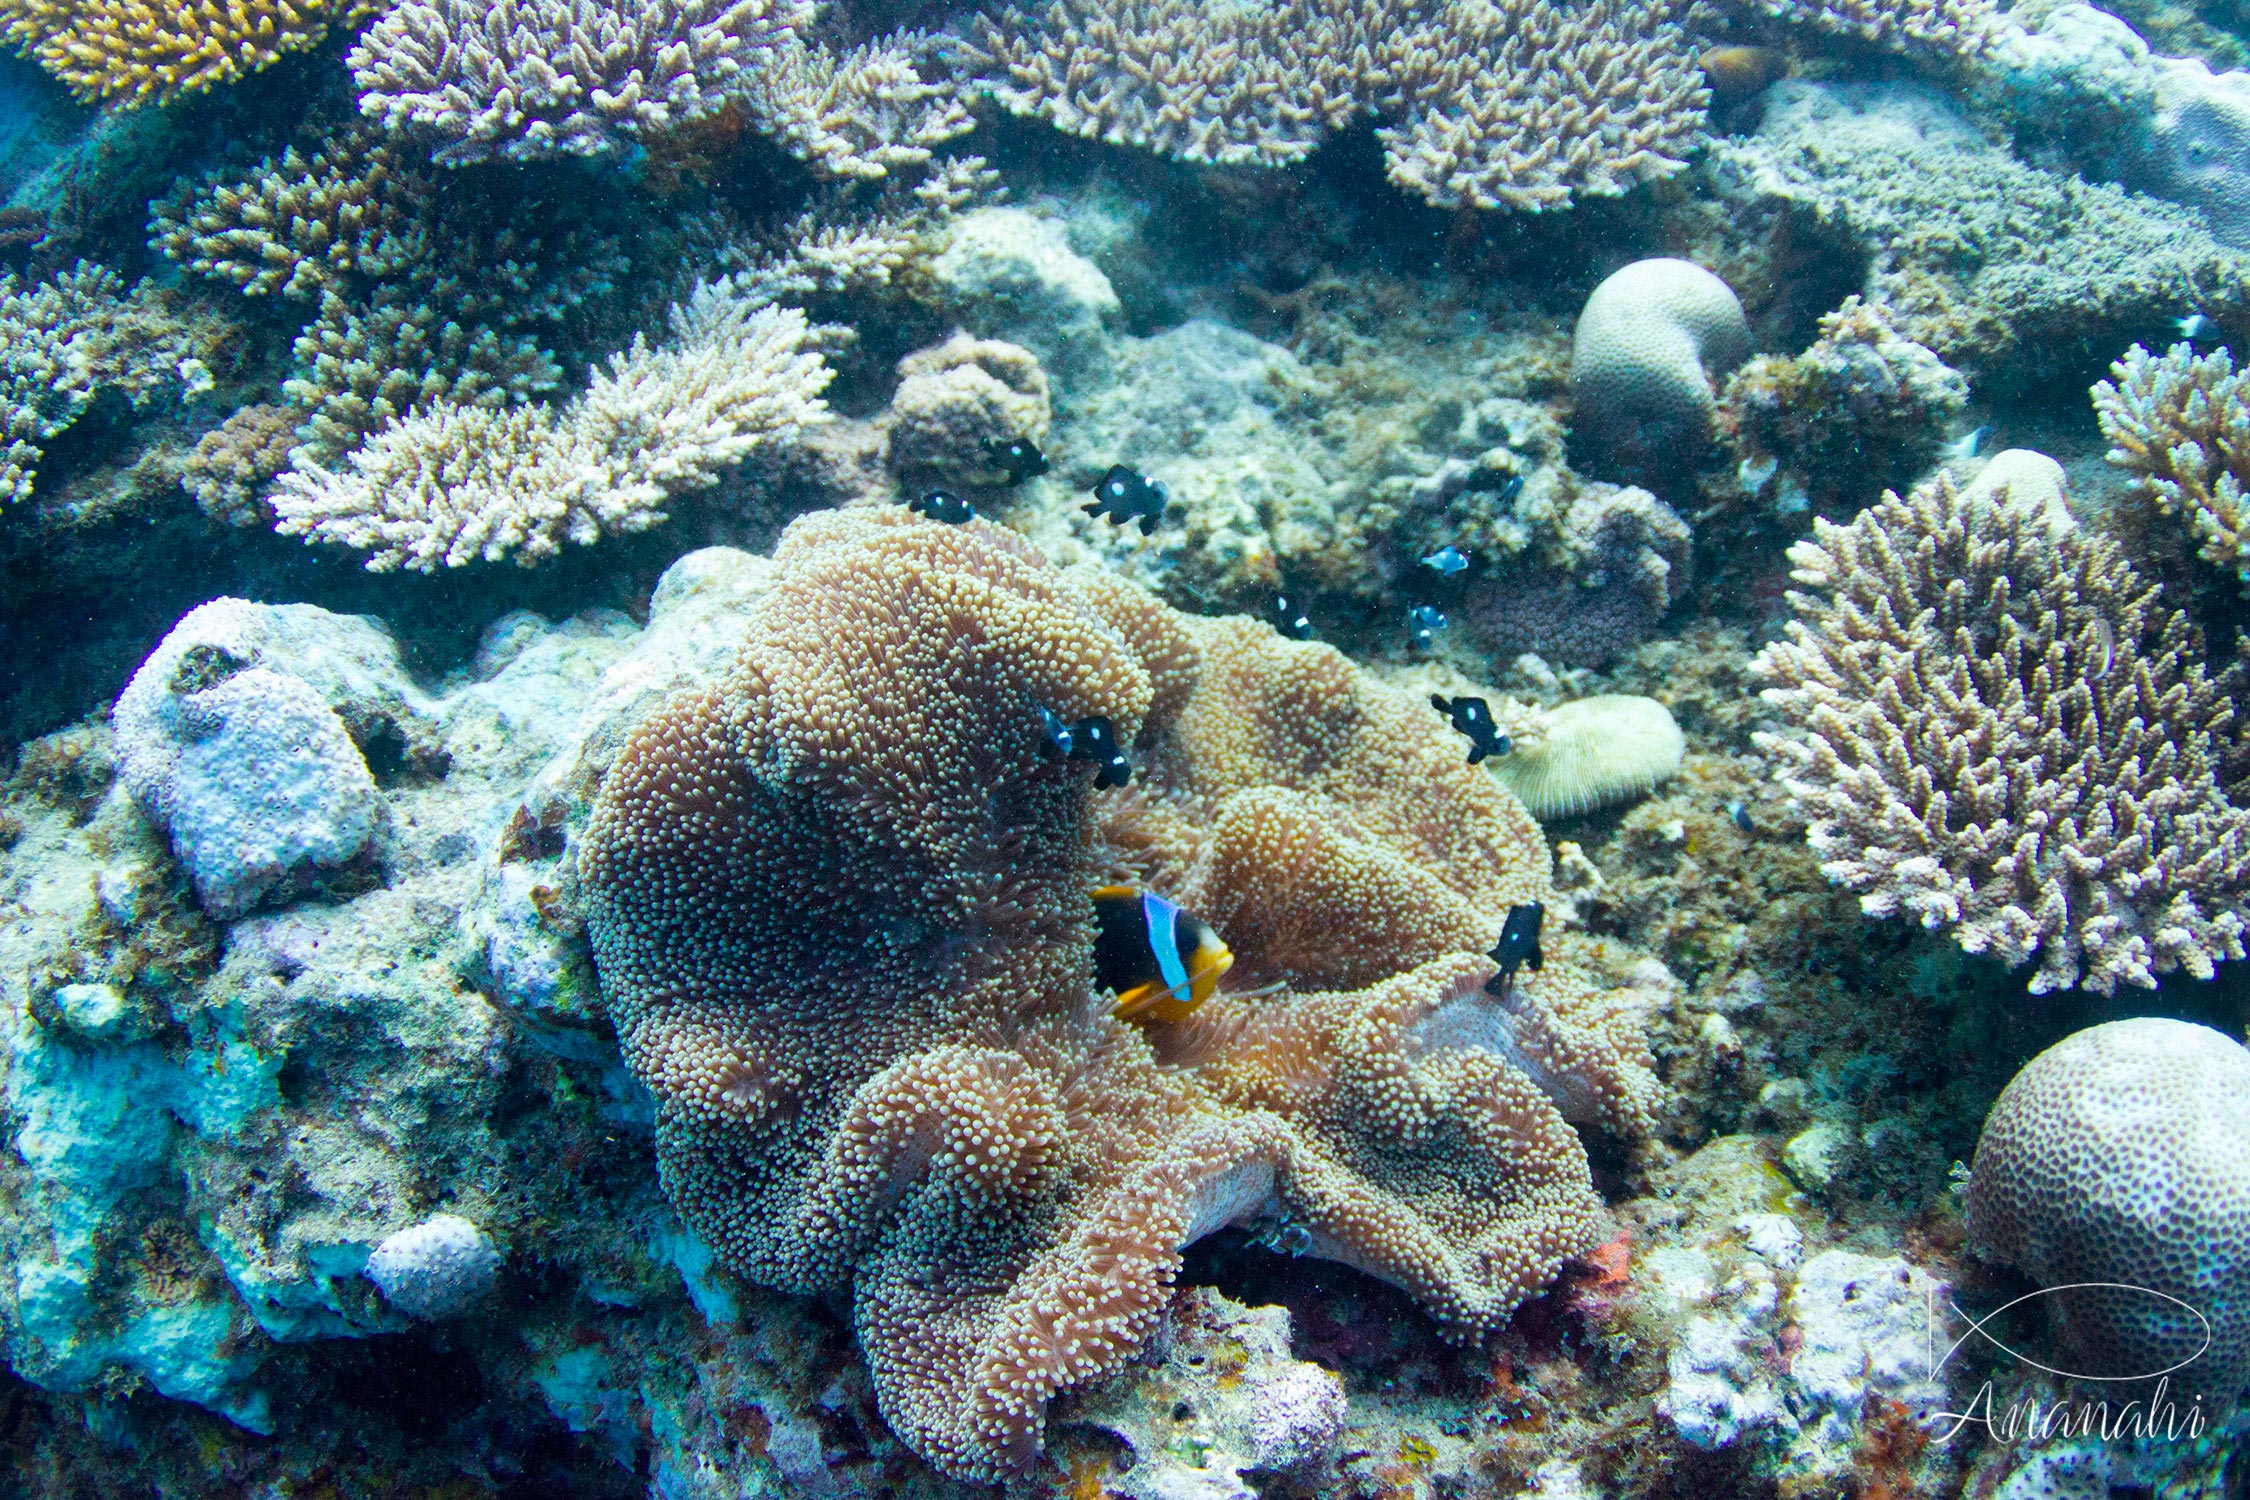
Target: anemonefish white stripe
(1164, 941)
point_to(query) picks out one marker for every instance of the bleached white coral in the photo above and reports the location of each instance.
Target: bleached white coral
(454, 484)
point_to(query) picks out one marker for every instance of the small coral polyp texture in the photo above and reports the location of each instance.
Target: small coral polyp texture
(839, 907)
(134, 52)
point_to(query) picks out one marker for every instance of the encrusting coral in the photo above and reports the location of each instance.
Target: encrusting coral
(1999, 728)
(1860, 411)
(2180, 425)
(838, 905)
(450, 484)
(1513, 103)
(135, 52)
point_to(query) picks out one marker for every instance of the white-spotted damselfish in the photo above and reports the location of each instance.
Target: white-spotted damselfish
(1290, 620)
(1473, 717)
(1518, 946)
(1161, 961)
(940, 505)
(1124, 495)
(1092, 738)
(1423, 622)
(1018, 458)
(1447, 560)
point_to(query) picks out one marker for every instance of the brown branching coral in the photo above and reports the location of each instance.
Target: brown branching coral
(137, 52)
(2000, 729)
(2180, 425)
(1490, 103)
(839, 908)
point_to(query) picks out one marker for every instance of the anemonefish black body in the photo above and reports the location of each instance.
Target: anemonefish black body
(1162, 962)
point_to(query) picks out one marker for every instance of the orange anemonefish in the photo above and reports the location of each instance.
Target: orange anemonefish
(1161, 961)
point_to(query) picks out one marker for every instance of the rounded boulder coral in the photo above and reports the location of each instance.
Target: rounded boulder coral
(2116, 1170)
(839, 906)
(1651, 345)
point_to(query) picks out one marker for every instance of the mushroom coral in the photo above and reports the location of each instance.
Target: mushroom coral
(839, 907)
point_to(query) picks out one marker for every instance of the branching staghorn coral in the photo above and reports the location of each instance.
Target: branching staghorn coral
(529, 78)
(2181, 426)
(2000, 729)
(1940, 30)
(142, 51)
(451, 484)
(1492, 103)
(425, 290)
(62, 341)
(853, 241)
(839, 909)
(858, 115)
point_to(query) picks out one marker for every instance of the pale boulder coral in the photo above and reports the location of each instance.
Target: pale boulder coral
(1593, 752)
(1999, 728)
(838, 906)
(439, 1268)
(1651, 344)
(2116, 1169)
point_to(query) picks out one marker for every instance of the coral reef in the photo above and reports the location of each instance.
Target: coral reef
(2180, 425)
(529, 78)
(67, 339)
(1957, 31)
(2031, 268)
(452, 484)
(958, 400)
(2000, 729)
(233, 462)
(1861, 411)
(1516, 104)
(2112, 1171)
(1002, 1173)
(134, 52)
(1652, 345)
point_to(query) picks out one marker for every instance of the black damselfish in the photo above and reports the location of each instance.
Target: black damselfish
(1124, 495)
(1518, 946)
(939, 505)
(1092, 738)
(1290, 620)
(1018, 458)
(1473, 717)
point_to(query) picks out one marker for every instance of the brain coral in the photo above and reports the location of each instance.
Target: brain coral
(838, 906)
(2001, 729)
(2119, 1158)
(1651, 343)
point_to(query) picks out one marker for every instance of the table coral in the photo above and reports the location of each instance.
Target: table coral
(137, 53)
(2180, 425)
(451, 484)
(527, 78)
(838, 907)
(1514, 103)
(2000, 729)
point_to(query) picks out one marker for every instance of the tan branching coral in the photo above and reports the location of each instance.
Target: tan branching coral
(1492, 103)
(231, 465)
(529, 78)
(138, 52)
(861, 114)
(838, 906)
(2000, 729)
(1942, 30)
(64, 339)
(2180, 425)
(451, 484)
(300, 224)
